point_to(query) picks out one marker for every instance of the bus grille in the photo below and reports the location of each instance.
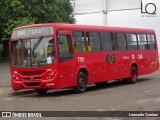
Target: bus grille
(35, 78)
(32, 84)
(28, 73)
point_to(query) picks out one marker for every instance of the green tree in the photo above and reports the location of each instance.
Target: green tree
(14, 13)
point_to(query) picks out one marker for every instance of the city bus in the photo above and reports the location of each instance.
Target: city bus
(55, 56)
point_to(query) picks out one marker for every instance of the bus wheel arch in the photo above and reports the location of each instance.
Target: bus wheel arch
(82, 81)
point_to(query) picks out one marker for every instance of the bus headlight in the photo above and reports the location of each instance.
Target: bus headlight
(15, 77)
(51, 74)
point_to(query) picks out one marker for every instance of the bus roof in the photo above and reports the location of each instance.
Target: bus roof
(90, 27)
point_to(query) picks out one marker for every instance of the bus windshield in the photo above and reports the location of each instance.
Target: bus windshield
(33, 52)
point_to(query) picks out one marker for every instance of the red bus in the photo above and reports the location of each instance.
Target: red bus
(50, 56)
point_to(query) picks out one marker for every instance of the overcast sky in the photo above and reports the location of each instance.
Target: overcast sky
(127, 18)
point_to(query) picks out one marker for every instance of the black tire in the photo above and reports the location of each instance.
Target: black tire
(81, 83)
(133, 75)
(41, 91)
(101, 84)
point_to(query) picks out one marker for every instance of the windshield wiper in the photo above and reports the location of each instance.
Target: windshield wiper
(37, 43)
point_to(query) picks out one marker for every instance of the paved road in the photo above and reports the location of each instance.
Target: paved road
(117, 96)
(4, 73)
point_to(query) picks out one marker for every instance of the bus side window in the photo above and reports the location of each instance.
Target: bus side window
(121, 40)
(107, 41)
(151, 41)
(132, 41)
(79, 41)
(88, 40)
(142, 42)
(65, 47)
(93, 41)
(88, 44)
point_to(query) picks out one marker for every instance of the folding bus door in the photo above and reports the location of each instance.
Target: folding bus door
(66, 60)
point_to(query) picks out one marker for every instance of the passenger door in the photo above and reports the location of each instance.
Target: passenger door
(66, 62)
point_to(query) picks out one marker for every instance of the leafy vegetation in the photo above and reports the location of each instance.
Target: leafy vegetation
(14, 13)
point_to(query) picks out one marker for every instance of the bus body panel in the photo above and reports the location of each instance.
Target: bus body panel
(101, 66)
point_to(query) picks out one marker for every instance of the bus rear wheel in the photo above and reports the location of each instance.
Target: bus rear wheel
(41, 91)
(81, 83)
(133, 75)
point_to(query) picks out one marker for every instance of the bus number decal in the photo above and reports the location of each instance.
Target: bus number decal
(81, 59)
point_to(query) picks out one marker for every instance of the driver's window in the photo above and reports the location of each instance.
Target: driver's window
(65, 47)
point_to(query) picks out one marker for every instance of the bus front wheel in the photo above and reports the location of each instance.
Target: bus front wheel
(81, 83)
(41, 91)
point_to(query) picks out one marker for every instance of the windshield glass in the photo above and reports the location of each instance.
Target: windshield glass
(33, 52)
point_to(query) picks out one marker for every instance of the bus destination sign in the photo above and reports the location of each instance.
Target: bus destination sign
(32, 31)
